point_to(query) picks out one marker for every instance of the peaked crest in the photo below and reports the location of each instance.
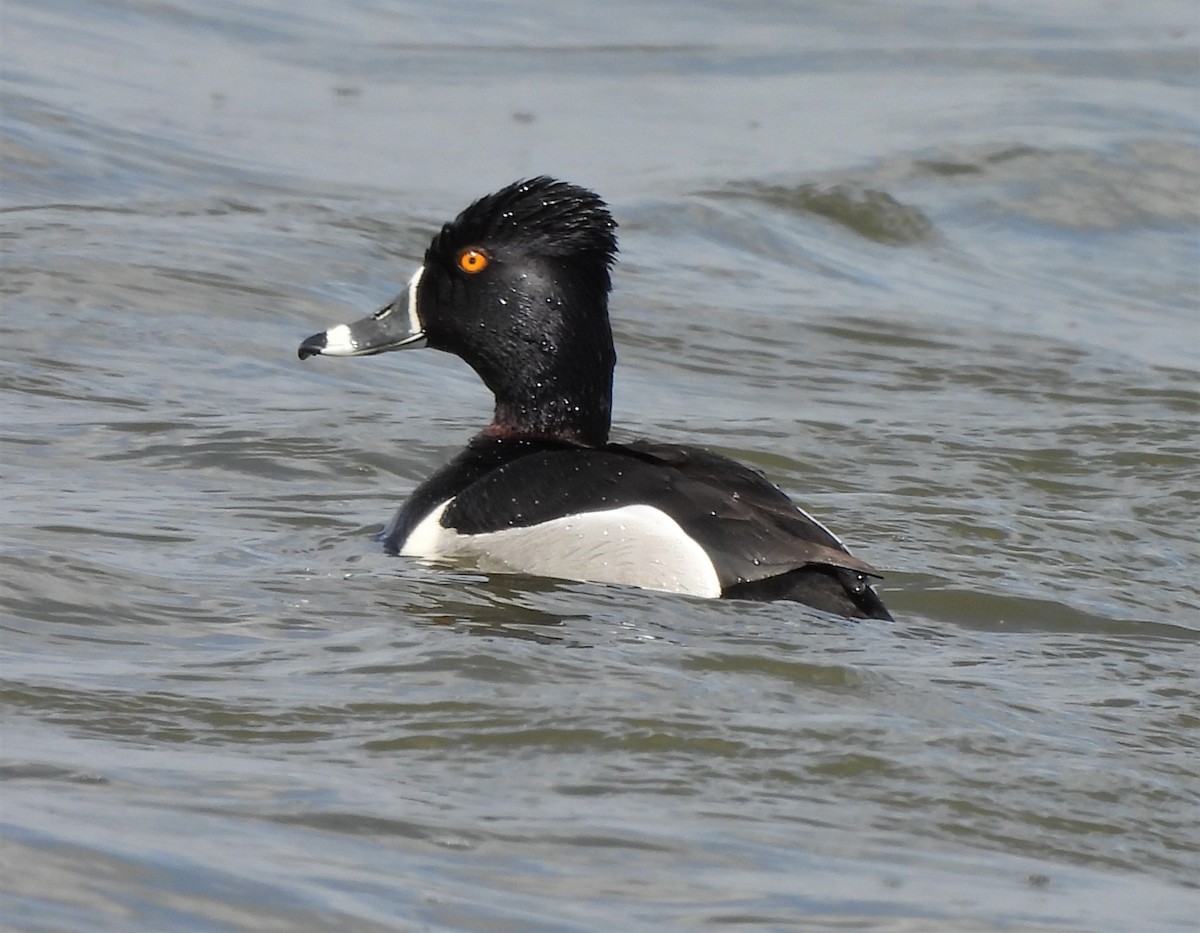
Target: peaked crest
(555, 218)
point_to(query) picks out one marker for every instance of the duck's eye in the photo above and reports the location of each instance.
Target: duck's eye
(472, 260)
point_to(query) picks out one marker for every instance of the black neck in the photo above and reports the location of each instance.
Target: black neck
(576, 414)
(557, 383)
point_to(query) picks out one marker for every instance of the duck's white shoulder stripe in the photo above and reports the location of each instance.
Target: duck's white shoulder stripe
(635, 545)
(825, 528)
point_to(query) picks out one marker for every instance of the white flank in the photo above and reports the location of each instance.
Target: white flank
(636, 545)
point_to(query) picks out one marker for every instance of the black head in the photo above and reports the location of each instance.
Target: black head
(517, 285)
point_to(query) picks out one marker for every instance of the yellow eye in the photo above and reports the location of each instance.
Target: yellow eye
(472, 260)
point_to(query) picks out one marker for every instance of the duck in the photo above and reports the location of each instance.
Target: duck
(517, 286)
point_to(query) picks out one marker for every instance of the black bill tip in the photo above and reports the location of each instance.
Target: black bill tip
(313, 346)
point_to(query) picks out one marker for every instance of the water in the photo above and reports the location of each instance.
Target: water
(932, 267)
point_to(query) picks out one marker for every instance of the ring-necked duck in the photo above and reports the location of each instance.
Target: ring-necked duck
(517, 285)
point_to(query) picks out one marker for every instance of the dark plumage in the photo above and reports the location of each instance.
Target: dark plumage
(517, 286)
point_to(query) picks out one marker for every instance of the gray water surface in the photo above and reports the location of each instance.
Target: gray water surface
(932, 267)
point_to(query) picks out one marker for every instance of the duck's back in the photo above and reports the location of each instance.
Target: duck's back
(658, 516)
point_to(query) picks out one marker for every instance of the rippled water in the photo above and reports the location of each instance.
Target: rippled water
(932, 267)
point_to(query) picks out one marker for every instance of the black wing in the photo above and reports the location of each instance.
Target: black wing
(760, 532)
(750, 529)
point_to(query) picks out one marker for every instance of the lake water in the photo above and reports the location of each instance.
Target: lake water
(934, 267)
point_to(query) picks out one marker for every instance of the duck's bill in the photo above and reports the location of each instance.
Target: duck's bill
(396, 326)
